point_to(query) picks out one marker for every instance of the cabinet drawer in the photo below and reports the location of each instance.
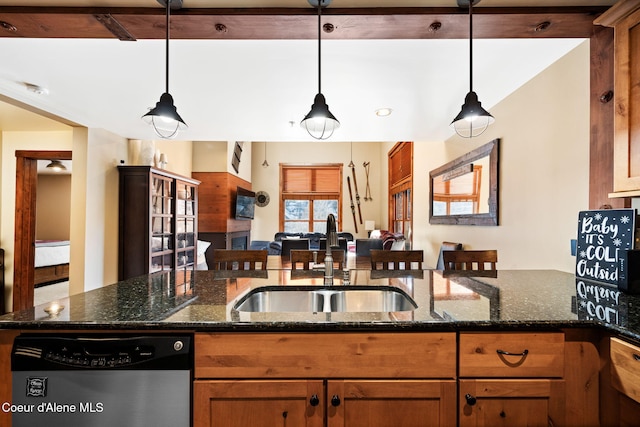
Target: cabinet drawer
(325, 355)
(512, 355)
(625, 368)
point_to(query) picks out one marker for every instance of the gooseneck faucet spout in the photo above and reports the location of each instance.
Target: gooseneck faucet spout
(332, 242)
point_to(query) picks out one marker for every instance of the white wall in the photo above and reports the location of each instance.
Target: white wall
(179, 154)
(544, 172)
(210, 156)
(94, 213)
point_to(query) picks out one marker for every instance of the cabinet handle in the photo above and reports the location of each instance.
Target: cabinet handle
(470, 399)
(314, 401)
(506, 353)
(335, 400)
(636, 357)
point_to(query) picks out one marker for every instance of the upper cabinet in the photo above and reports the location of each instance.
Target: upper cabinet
(624, 17)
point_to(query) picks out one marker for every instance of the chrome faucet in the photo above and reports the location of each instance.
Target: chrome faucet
(332, 242)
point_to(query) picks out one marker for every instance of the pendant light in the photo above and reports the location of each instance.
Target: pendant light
(164, 117)
(472, 120)
(56, 166)
(265, 164)
(319, 122)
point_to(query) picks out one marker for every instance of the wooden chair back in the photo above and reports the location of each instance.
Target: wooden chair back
(289, 244)
(234, 259)
(304, 259)
(470, 260)
(446, 246)
(396, 260)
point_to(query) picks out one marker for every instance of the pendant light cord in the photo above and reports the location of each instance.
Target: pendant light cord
(319, 46)
(167, 46)
(471, 45)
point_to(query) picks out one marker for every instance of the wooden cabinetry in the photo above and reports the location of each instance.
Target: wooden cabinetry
(511, 379)
(258, 403)
(346, 403)
(332, 379)
(624, 17)
(158, 221)
(216, 212)
(400, 189)
(625, 378)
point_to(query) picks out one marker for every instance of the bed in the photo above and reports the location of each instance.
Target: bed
(51, 262)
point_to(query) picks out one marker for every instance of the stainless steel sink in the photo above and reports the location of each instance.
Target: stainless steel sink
(326, 299)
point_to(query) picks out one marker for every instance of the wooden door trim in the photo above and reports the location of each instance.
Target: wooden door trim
(25, 223)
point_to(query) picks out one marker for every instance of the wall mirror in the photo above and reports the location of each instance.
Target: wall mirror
(465, 190)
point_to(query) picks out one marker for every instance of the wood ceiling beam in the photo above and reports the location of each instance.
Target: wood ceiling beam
(296, 23)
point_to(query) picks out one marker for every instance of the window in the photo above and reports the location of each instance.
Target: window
(459, 195)
(309, 193)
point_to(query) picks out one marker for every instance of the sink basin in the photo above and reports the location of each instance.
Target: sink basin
(326, 299)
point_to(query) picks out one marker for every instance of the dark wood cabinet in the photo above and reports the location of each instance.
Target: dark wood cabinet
(158, 221)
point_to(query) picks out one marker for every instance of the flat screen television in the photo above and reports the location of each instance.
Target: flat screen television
(245, 203)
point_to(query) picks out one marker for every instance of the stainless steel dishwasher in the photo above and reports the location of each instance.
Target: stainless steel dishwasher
(101, 381)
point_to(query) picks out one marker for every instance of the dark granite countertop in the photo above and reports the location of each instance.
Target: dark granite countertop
(204, 300)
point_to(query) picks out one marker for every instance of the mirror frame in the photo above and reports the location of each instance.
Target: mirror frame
(490, 149)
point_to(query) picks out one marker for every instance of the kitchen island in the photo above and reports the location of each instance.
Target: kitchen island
(473, 347)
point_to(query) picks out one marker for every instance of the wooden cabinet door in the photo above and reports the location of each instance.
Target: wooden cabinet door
(625, 18)
(511, 403)
(380, 403)
(256, 403)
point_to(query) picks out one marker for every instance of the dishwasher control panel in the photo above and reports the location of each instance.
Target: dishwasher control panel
(81, 356)
(126, 352)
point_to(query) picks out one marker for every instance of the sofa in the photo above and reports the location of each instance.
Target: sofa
(313, 239)
(380, 239)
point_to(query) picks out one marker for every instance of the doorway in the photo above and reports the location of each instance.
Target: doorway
(25, 223)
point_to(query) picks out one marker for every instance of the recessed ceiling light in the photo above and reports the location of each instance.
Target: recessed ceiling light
(383, 112)
(36, 89)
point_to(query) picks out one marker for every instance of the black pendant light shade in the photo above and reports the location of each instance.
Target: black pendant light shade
(56, 166)
(164, 117)
(319, 122)
(472, 120)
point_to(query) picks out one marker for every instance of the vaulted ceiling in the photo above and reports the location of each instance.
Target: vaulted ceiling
(248, 70)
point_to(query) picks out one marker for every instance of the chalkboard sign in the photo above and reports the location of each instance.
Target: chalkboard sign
(602, 236)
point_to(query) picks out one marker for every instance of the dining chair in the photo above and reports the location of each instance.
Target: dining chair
(470, 260)
(396, 260)
(234, 259)
(446, 246)
(289, 244)
(342, 243)
(305, 259)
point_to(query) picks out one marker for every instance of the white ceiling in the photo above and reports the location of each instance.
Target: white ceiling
(253, 90)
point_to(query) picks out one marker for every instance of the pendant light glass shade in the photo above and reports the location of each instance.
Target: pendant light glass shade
(164, 117)
(319, 122)
(472, 120)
